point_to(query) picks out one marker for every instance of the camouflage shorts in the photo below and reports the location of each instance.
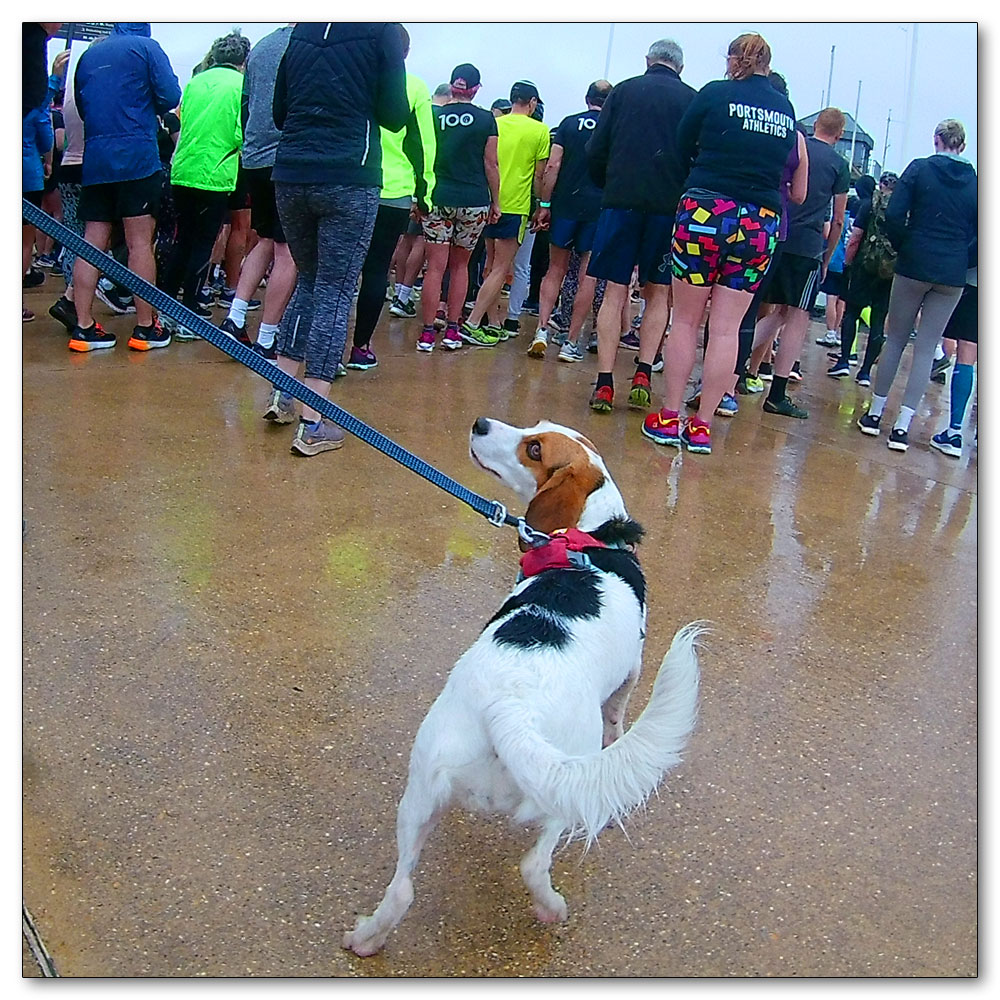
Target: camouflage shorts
(461, 227)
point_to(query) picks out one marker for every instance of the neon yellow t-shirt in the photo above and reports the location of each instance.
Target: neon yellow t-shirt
(521, 143)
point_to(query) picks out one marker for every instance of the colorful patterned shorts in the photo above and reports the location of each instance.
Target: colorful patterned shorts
(461, 227)
(719, 241)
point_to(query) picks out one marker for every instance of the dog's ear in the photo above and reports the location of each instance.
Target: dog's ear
(561, 498)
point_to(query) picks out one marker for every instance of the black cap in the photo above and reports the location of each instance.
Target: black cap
(465, 77)
(523, 91)
(500, 104)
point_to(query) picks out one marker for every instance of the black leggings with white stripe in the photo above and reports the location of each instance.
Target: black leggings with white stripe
(328, 228)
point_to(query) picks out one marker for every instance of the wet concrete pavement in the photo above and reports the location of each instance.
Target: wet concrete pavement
(227, 651)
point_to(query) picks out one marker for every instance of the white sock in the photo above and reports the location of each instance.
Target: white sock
(904, 418)
(266, 334)
(939, 352)
(403, 293)
(238, 312)
(396, 291)
(877, 406)
(832, 333)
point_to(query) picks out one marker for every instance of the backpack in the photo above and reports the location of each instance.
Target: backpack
(876, 254)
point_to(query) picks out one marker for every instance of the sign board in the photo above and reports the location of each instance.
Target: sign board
(84, 31)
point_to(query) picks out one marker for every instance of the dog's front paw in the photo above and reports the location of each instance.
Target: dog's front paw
(554, 912)
(361, 943)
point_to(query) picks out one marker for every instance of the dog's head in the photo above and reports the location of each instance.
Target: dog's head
(556, 469)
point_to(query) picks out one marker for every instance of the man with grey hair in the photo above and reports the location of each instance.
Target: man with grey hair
(633, 156)
(441, 95)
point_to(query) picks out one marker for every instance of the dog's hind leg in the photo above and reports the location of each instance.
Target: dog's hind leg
(536, 866)
(613, 709)
(415, 820)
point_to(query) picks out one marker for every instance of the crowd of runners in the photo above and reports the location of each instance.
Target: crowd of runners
(658, 219)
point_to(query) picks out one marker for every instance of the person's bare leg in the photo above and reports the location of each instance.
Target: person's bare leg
(436, 255)
(254, 268)
(609, 325)
(236, 246)
(729, 306)
(654, 321)
(500, 256)
(552, 282)
(586, 288)
(85, 277)
(793, 335)
(680, 347)
(140, 232)
(458, 283)
(280, 285)
(763, 337)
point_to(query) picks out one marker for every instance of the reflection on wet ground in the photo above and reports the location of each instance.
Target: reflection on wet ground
(227, 651)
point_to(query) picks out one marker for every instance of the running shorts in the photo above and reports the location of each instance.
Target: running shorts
(121, 199)
(460, 227)
(626, 238)
(720, 241)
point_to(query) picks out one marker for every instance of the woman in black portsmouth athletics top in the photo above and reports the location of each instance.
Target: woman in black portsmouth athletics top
(737, 134)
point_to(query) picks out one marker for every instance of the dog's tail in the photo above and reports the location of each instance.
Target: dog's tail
(592, 790)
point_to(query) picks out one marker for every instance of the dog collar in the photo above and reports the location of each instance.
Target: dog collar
(563, 550)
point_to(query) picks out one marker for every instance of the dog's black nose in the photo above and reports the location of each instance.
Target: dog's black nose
(481, 426)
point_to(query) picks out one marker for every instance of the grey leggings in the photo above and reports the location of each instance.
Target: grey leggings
(907, 297)
(328, 228)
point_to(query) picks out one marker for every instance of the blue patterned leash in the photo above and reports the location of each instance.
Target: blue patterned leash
(494, 511)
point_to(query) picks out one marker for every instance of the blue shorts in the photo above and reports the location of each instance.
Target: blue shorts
(627, 237)
(509, 227)
(572, 234)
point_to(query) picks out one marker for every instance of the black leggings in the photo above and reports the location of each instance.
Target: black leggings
(390, 224)
(871, 292)
(199, 215)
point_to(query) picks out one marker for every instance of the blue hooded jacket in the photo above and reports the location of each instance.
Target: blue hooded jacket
(121, 84)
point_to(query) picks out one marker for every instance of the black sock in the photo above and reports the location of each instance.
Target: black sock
(645, 369)
(605, 378)
(779, 389)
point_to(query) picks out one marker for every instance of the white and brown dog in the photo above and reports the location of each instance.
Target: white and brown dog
(530, 721)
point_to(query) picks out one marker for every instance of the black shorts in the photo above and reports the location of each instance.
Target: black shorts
(964, 321)
(795, 282)
(239, 199)
(414, 228)
(121, 199)
(264, 217)
(833, 284)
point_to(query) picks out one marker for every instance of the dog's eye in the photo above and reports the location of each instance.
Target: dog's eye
(535, 451)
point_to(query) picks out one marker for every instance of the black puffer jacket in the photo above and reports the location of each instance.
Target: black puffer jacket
(633, 152)
(336, 84)
(932, 220)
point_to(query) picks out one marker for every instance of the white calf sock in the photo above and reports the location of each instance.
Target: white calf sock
(266, 334)
(904, 418)
(877, 406)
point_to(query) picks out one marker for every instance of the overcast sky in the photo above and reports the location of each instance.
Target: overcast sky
(563, 58)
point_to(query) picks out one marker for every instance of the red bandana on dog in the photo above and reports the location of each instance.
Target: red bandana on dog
(554, 554)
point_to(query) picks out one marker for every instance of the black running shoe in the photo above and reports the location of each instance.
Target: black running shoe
(870, 425)
(784, 407)
(898, 440)
(238, 333)
(93, 339)
(64, 311)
